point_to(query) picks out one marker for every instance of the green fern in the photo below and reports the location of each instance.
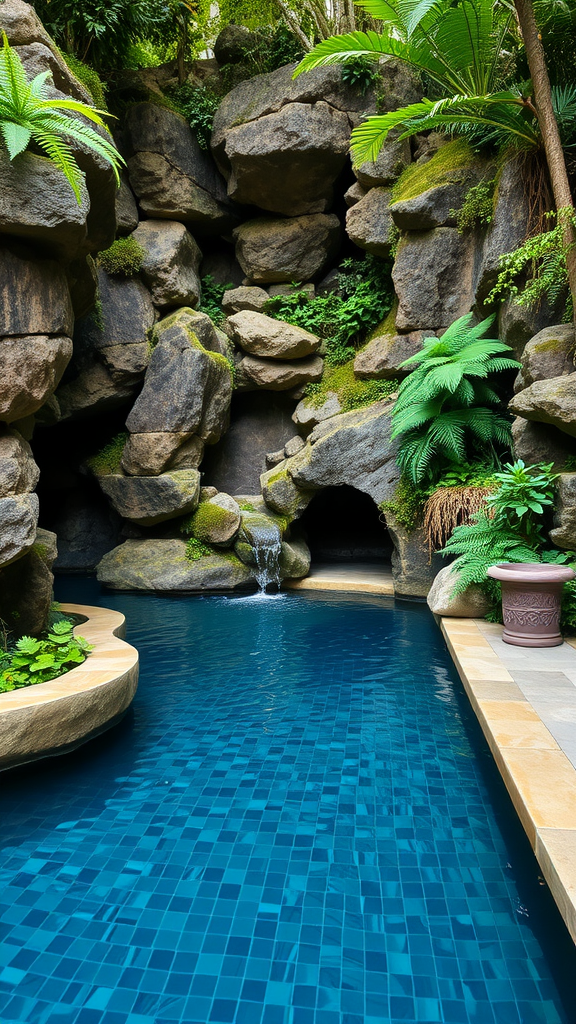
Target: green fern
(446, 412)
(27, 117)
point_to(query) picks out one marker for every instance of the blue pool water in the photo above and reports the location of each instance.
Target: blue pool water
(297, 823)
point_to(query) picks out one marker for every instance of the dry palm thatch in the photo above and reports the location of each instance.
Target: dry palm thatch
(448, 508)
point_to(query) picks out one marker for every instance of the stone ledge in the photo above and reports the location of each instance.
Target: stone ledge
(538, 774)
(55, 717)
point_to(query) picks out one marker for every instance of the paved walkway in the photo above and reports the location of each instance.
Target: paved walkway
(525, 700)
(354, 577)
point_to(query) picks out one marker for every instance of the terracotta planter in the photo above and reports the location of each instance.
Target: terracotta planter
(531, 599)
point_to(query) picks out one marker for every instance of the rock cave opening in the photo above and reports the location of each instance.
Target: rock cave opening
(342, 524)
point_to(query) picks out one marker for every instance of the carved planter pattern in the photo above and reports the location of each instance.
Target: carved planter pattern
(531, 602)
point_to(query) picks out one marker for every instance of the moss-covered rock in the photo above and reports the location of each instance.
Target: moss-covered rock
(216, 521)
(549, 354)
(549, 401)
(147, 500)
(162, 566)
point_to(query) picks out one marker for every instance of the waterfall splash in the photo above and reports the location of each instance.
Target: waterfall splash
(266, 544)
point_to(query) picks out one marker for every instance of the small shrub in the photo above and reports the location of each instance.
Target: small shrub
(198, 105)
(477, 210)
(211, 302)
(108, 459)
(32, 660)
(360, 72)
(124, 258)
(195, 550)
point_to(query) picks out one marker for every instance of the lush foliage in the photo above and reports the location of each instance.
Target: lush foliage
(89, 77)
(33, 660)
(198, 106)
(410, 499)
(124, 258)
(195, 550)
(108, 459)
(342, 318)
(477, 210)
(510, 528)
(26, 117)
(211, 301)
(447, 411)
(467, 53)
(543, 259)
(361, 73)
(352, 393)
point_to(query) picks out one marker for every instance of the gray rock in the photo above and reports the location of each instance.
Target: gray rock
(508, 228)
(539, 442)
(82, 277)
(275, 458)
(223, 267)
(412, 571)
(274, 375)
(93, 392)
(18, 471)
(126, 209)
(295, 559)
(187, 389)
(161, 565)
(21, 24)
(149, 454)
(261, 335)
(472, 603)
(172, 177)
(369, 223)
(354, 194)
(37, 203)
(34, 295)
(309, 289)
(433, 278)
(392, 159)
(550, 354)
(231, 44)
(549, 401)
(119, 337)
(217, 521)
(307, 415)
(564, 532)
(209, 336)
(293, 446)
(171, 265)
(18, 522)
(26, 594)
(382, 356)
(292, 249)
(148, 500)
(287, 161)
(237, 299)
(431, 209)
(30, 370)
(518, 324)
(86, 528)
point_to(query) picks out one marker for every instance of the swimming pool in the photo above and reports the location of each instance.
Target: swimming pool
(297, 823)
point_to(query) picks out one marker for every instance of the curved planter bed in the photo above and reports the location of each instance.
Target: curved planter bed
(55, 717)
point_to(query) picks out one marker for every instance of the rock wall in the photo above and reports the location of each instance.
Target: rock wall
(276, 200)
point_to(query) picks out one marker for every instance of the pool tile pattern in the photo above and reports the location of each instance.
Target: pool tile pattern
(297, 824)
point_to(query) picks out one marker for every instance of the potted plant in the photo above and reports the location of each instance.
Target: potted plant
(531, 601)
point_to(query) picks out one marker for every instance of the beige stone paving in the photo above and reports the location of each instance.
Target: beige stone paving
(358, 579)
(525, 700)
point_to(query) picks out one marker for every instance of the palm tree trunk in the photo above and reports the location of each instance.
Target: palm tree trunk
(550, 134)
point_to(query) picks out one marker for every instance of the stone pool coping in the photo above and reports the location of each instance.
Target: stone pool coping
(525, 701)
(55, 717)
(357, 579)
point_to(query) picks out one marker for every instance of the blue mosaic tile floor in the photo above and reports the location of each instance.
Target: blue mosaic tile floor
(298, 823)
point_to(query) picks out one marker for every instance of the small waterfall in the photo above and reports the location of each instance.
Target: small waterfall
(266, 543)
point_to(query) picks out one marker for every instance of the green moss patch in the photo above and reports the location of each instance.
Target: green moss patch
(195, 550)
(352, 393)
(108, 459)
(451, 163)
(124, 258)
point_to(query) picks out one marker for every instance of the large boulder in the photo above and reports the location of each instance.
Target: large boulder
(508, 227)
(549, 354)
(187, 388)
(148, 454)
(471, 603)
(149, 500)
(539, 442)
(282, 142)
(93, 392)
(231, 44)
(518, 324)
(382, 357)
(275, 375)
(170, 267)
(34, 294)
(18, 522)
(433, 278)
(289, 249)
(19, 473)
(172, 177)
(549, 401)
(261, 335)
(412, 569)
(236, 299)
(161, 565)
(369, 224)
(37, 203)
(119, 336)
(30, 370)
(564, 532)
(26, 588)
(217, 521)
(353, 448)
(434, 208)
(295, 559)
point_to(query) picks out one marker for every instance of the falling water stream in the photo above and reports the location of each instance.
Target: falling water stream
(266, 543)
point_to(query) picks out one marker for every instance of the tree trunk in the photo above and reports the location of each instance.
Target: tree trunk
(550, 134)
